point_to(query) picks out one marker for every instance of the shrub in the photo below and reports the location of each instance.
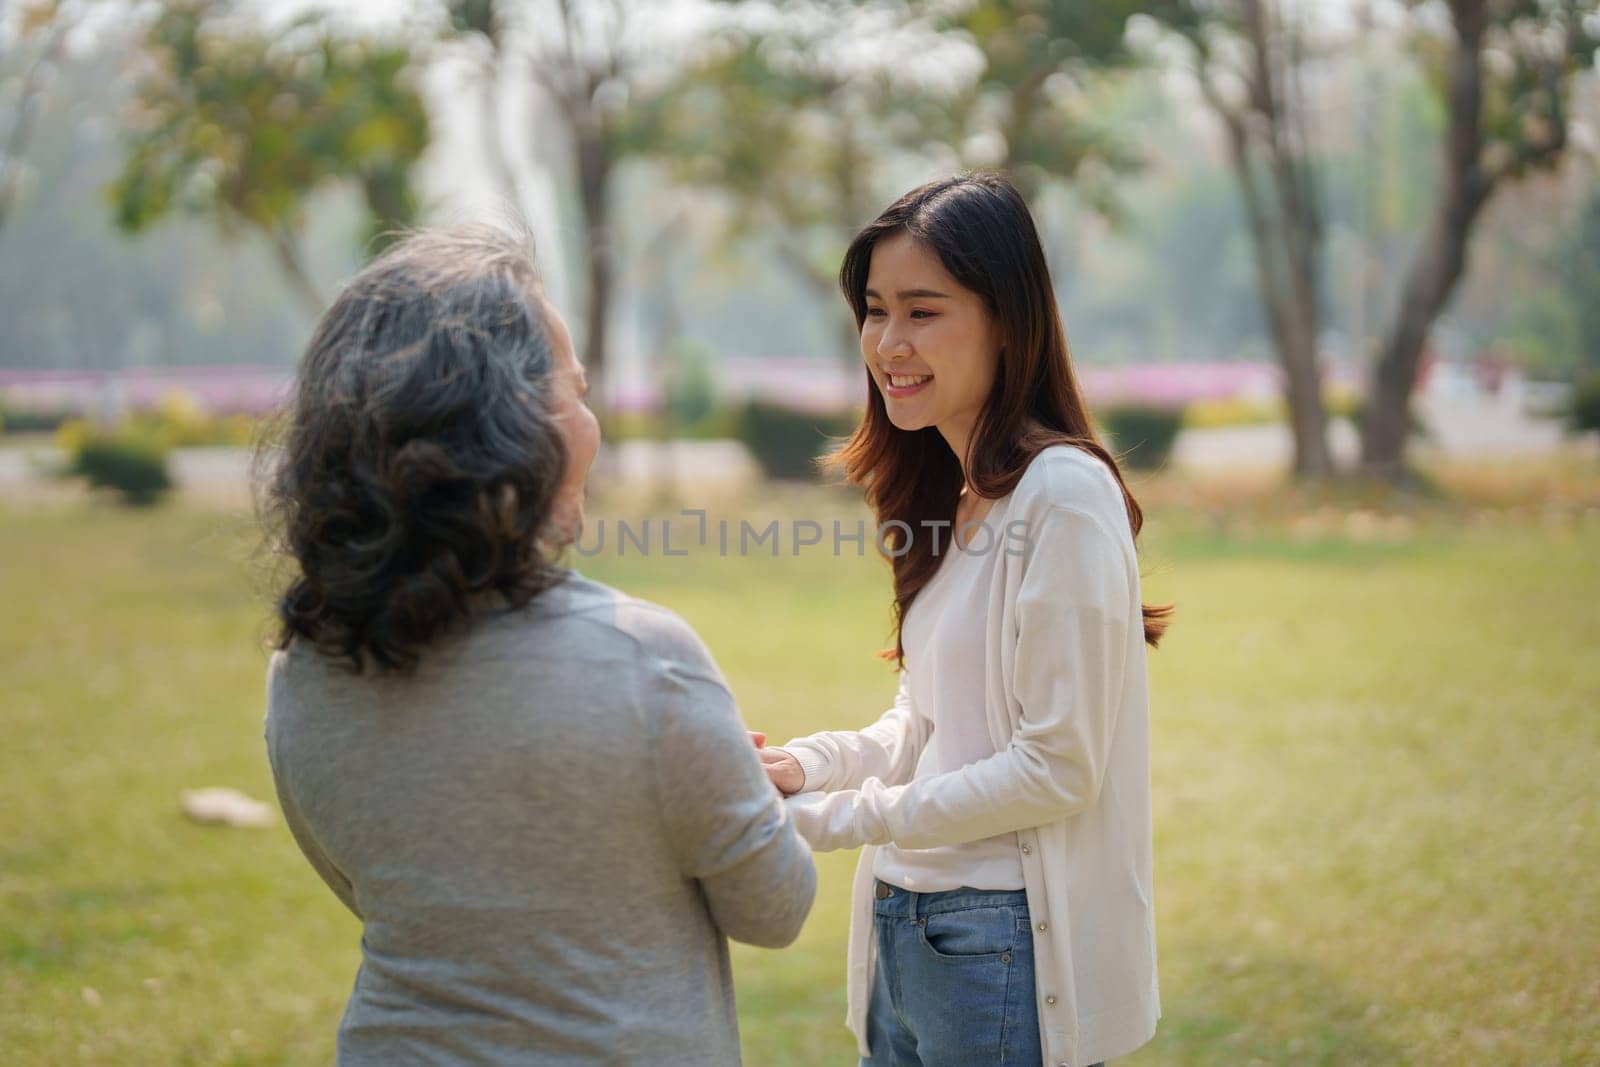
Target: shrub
(719, 423)
(787, 442)
(1142, 435)
(30, 420)
(1234, 411)
(179, 422)
(1583, 411)
(129, 462)
(1341, 402)
(691, 392)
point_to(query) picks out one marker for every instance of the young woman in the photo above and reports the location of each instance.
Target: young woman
(1002, 907)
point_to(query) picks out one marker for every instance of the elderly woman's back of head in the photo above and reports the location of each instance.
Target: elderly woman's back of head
(422, 461)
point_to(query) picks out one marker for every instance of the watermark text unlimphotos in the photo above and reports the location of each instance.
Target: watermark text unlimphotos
(777, 537)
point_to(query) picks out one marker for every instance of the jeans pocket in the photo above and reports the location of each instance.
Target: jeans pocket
(970, 934)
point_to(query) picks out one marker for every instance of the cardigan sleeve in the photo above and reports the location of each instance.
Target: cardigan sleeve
(887, 750)
(1074, 602)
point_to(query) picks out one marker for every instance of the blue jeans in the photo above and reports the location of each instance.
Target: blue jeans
(954, 982)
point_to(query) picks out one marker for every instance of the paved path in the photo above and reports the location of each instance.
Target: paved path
(1458, 427)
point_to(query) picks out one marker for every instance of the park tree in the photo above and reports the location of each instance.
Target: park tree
(37, 46)
(588, 61)
(794, 139)
(478, 25)
(242, 126)
(806, 136)
(1503, 70)
(1026, 113)
(1249, 59)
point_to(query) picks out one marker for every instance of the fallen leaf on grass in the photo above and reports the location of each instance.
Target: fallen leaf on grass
(227, 807)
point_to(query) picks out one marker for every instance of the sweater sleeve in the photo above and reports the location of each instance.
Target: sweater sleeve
(1072, 611)
(727, 824)
(887, 750)
(326, 869)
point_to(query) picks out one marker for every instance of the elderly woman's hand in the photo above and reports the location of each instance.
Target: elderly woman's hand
(783, 770)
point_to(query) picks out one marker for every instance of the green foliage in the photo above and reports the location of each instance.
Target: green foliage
(691, 390)
(790, 138)
(128, 461)
(1038, 60)
(1142, 434)
(1583, 414)
(243, 127)
(1582, 276)
(1540, 328)
(30, 420)
(1550, 322)
(178, 422)
(787, 442)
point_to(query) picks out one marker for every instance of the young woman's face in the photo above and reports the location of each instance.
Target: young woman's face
(580, 430)
(930, 345)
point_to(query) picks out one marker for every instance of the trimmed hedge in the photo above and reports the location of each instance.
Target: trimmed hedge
(787, 442)
(30, 420)
(134, 466)
(1583, 412)
(1142, 435)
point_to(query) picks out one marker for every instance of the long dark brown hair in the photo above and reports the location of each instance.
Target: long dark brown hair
(982, 231)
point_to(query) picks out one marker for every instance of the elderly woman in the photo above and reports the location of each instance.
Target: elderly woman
(535, 792)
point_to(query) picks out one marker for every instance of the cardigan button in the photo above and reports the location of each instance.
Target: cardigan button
(1043, 927)
(1050, 1000)
(1027, 850)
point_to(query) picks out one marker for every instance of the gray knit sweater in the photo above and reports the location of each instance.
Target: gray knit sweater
(549, 832)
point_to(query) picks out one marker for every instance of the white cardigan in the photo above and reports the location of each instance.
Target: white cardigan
(1068, 709)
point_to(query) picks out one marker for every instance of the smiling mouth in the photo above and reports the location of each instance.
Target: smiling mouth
(907, 381)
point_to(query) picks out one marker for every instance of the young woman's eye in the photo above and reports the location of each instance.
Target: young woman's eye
(873, 313)
(919, 313)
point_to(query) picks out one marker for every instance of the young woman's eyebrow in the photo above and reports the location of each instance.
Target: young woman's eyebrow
(911, 294)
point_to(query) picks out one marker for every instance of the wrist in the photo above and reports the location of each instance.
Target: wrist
(813, 766)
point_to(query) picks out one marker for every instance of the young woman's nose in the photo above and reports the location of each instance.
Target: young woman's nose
(891, 345)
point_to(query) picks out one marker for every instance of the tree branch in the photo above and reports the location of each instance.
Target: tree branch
(28, 108)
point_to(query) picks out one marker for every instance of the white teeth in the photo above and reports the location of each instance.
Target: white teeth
(904, 381)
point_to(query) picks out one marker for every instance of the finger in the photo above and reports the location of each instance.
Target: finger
(759, 738)
(770, 756)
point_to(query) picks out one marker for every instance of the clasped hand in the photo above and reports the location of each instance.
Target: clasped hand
(783, 770)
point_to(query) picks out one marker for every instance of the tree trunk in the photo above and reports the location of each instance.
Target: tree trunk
(30, 104)
(1439, 263)
(1285, 229)
(824, 286)
(594, 184)
(490, 95)
(286, 248)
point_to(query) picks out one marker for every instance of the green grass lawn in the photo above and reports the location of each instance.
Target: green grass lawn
(1374, 775)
